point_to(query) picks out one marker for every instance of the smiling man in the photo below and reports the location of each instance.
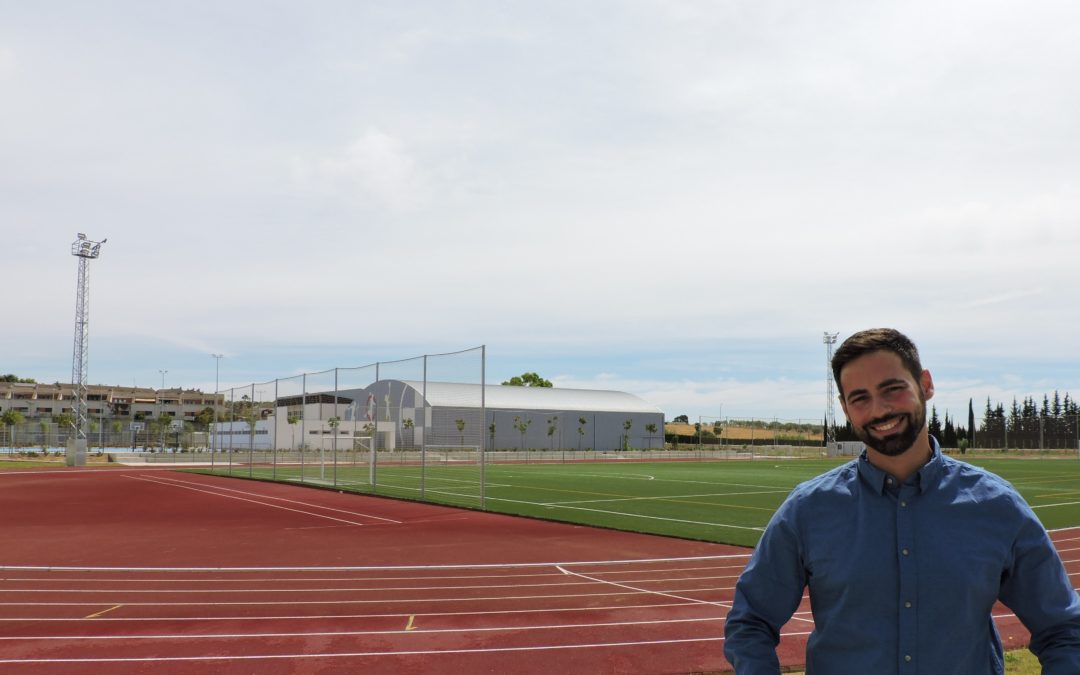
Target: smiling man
(904, 550)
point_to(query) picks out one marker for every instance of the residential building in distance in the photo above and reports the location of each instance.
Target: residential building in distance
(42, 402)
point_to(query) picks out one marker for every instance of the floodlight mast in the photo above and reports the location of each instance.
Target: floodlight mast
(85, 250)
(830, 415)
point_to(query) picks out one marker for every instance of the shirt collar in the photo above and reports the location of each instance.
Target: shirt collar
(925, 478)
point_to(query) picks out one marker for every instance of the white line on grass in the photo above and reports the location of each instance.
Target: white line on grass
(627, 515)
(664, 497)
(1047, 506)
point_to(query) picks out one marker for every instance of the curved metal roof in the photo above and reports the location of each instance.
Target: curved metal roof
(509, 397)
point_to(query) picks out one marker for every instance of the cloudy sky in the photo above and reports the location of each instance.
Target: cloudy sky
(674, 198)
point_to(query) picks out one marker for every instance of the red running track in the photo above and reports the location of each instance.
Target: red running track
(147, 570)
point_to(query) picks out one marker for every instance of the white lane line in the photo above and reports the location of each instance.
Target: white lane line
(432, 652)
(616, 584)
(376, 589)
(391, 615)
(279, 499)
(414, 631)
(414, 601)
(377, 568)
(253, 501)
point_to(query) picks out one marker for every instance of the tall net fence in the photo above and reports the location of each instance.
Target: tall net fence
(412, 428)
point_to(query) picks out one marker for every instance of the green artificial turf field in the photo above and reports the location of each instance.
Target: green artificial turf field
(722, 501)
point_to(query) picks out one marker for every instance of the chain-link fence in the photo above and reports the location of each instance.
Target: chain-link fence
(410, 428)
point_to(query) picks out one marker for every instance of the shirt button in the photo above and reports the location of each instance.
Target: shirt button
(904, 504)
(889, 481)
(905, 551)
(907, 657)
(907, 604)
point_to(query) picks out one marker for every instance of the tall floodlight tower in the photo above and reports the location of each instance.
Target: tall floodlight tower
(830, 414)
(85, 250)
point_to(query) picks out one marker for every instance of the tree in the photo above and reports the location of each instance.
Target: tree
(681, 419)
(553, 426)
(334, 423)
(935, 423)
(651, 428)
(11, 418)
(408, 425)
(522, 425)
(971, 424)
(15, 378)
(64, 421)
(528, 380)
(581, 421)
(460, 424)
(626, 436)
(205, 418)
(292, 420)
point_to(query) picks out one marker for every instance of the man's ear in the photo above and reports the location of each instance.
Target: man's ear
(927, 384)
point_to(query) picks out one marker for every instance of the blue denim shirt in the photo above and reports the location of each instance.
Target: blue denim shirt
(902, 578)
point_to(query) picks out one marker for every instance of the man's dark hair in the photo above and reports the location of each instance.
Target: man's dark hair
(876, 340)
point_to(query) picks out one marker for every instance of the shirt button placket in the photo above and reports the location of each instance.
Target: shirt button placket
(908, 588)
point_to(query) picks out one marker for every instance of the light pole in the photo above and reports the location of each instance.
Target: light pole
(213, 422)
(161, 412)
(830, 416)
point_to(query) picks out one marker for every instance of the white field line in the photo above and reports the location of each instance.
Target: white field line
(556, 475)
(417, 631)
(627, 515)
(182, 483)
(1047, 506)
(385, 601)
(665, 497)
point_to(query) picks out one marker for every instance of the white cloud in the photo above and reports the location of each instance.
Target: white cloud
(374, 166)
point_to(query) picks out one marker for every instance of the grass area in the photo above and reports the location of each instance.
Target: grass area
(722, 501)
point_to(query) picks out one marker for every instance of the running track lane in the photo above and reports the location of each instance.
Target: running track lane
(184, 573)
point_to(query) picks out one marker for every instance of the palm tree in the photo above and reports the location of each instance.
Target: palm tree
(292, 420)
(460, 424)
(580, 431)
(626, 437)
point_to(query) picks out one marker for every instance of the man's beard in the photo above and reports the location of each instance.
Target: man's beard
(897, 444)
